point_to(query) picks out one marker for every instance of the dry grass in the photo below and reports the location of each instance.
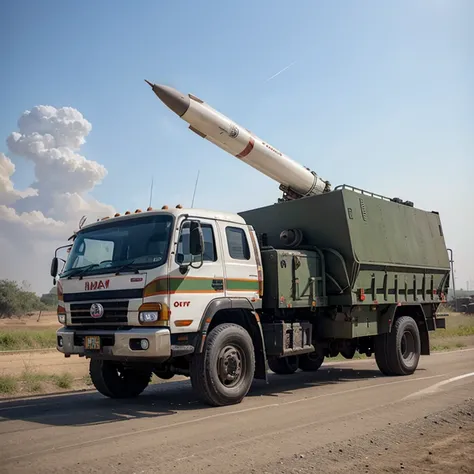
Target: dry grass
(32, 382)
(459, 333)
(20, 339)
(8, 384)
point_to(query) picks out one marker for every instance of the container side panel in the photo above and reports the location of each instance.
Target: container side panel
(322, 219)
(384, 232)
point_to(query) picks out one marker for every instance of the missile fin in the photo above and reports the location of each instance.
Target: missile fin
(197, 99)
(197, 132)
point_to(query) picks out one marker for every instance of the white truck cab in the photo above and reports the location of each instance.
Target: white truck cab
(138, 292)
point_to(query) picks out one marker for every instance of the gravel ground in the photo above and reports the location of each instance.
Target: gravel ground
(437, 444)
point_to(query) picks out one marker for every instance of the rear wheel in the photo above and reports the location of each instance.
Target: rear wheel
(223, 373)
(398, 352)
(113, 380)
(284, 365)
(311, 362)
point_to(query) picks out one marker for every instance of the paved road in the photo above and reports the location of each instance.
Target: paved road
(166, 430)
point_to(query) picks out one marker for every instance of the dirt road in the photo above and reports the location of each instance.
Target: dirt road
(345, 418)
(47, 361)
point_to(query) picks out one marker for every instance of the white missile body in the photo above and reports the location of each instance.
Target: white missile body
(295, 180)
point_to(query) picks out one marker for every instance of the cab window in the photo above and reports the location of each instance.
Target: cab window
(237, 243)
(183, 253)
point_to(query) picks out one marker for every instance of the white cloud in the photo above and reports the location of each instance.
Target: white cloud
(34, 221)
(8, 194)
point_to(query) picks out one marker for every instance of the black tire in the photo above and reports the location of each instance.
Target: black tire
(223, 373)
(398, 352)
(164, 375)
(284, 365)
(348, 353)
(113, 380)
(311, 362)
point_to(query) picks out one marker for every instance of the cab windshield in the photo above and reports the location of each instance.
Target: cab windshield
(128, 245)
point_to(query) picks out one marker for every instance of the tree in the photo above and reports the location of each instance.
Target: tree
(16, 301)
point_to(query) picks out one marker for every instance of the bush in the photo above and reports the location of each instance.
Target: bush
(17, 301)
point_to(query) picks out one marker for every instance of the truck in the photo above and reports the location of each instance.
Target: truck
(223, 298)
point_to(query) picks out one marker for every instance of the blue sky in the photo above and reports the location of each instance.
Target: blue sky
(380, 95)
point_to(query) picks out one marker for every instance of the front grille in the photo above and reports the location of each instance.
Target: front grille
(114, 312)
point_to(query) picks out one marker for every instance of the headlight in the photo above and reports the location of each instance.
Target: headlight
(148, 316)
(62, 318)
(153, 314)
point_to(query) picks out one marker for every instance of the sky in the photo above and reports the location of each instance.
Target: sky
(373, 94)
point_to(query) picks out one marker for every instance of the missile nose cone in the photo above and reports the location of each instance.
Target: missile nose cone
(177, 102)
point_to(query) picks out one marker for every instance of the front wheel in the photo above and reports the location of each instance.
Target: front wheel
(114, 380)
(398, 352)
(223, 373)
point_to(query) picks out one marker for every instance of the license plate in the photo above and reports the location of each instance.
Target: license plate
(92, 343)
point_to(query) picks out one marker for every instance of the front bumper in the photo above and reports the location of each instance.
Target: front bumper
(118, 344)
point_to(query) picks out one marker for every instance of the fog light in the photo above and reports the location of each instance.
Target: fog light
(144, 344)
(60, 341)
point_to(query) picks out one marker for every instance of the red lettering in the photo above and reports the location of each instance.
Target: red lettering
(96, 285)
(181, 304)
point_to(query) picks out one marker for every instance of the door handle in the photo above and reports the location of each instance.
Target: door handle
(218, 284)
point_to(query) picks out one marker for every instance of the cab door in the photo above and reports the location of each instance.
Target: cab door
(191, 291)
(238, 247)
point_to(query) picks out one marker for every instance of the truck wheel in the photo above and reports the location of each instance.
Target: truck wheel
(348, 352)
(284, 365)
(311, 362)
(113, 380)
(164, 374)
(223, 373)
(398, 352)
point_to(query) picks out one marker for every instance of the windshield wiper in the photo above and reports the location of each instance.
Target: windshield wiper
(127, 265)
(82, 270)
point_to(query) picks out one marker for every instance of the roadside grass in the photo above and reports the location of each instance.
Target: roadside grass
(21, 339)
(8, 384)
(457, 325)
(459, 333)
(32, 382)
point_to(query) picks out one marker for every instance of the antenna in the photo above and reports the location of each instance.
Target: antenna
(151, 191)
(195, 187)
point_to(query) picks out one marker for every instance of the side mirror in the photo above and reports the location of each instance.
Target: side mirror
(192, 255)
(54, 267)
(196, 239)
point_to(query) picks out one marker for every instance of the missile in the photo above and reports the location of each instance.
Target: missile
(295, 180)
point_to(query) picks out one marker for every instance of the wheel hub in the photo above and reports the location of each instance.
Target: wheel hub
(407, 346)
(230, 365)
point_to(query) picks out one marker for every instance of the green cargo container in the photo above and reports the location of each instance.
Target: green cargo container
(374, 250)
